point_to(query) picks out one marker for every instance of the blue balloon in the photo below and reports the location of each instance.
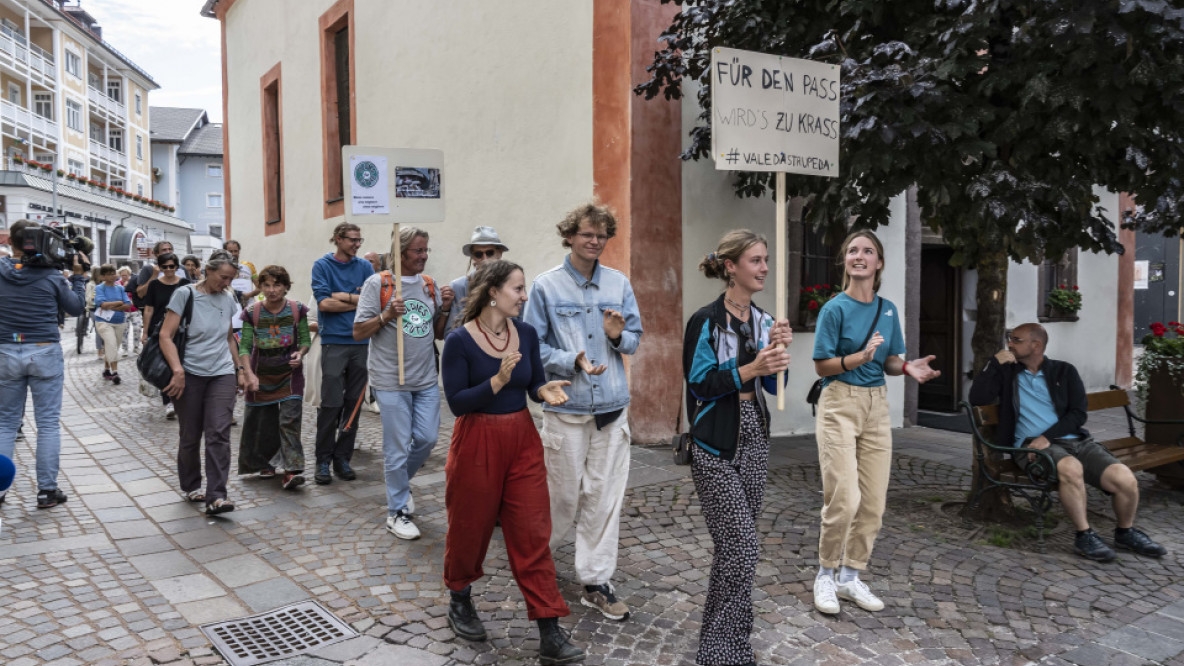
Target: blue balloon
(7, 473)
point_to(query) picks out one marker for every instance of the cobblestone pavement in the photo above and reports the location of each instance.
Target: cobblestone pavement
(125, 571)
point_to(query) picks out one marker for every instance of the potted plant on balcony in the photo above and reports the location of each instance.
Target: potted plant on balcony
(812, 299)
(47, 168)
(18, 159)
(71, 176)
(61, 172)
(1064, 301)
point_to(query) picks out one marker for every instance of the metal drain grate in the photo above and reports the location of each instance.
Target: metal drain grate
(283, 632)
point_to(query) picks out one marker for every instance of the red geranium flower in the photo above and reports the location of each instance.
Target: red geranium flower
(813, 305)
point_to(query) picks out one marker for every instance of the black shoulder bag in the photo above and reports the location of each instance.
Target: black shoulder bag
(816, 388)
(681, 443)
(152, 365)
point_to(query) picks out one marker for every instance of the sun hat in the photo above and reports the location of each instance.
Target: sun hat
(483, 236)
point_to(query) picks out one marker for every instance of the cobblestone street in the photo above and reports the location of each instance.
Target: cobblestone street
(125, 571)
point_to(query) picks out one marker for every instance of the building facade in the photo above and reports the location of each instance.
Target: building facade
(74, 114)
(532, 104)
(187, 172)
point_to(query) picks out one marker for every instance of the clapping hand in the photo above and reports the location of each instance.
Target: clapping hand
(919, 369)
(507, 369)
(614, 324)
(552, 392)
(582, 363)
(869, 353)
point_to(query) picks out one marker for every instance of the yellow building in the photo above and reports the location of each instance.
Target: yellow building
(71, 101)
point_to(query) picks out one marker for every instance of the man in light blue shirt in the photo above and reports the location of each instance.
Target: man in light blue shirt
(587, 321)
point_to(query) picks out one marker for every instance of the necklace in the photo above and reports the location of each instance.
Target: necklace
(741, 308)
(487, 339)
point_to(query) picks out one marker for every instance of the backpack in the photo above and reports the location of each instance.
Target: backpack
(388, 289)
(257, 308)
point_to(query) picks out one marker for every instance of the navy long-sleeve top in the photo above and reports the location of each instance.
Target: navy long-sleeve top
(467, 371)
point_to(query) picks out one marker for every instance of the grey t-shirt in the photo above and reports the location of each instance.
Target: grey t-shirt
(206, 351)
(419, 336)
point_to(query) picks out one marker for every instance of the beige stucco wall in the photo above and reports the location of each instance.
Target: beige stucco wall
(504, 89)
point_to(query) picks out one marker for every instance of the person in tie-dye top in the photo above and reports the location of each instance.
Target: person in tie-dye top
(275, 339)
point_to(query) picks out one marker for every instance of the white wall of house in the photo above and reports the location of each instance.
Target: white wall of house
(164, 157)
(504, 89)
(196, 186)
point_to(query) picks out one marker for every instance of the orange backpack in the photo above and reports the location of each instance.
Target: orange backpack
(388, 289)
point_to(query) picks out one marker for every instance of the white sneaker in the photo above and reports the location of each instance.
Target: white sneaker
(410, 508)
(170, 412)
(857, 591)
(401, 526)
(824, 595)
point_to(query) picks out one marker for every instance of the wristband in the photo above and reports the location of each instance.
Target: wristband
(843, 363)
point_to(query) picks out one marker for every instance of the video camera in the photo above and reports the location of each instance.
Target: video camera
(51, 247)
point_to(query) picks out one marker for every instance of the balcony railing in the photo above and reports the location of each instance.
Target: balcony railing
(14, 45)
(102, 100)
(23, 119)
(80, 183)
(105, 152)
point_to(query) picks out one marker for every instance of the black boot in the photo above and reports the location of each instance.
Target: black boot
(555, 646)
(322, 476)
(462, 616)
(343, 470)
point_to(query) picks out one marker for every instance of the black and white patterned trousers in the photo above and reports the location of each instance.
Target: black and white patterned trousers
(731, 493)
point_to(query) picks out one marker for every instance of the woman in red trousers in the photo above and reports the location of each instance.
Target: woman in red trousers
(495, 463)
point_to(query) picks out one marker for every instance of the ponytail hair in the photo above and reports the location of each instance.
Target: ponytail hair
(731, 247)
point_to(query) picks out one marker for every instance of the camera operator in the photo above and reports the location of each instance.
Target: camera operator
(30, 349)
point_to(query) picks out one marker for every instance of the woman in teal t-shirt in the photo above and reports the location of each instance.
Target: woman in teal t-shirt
(857, 342)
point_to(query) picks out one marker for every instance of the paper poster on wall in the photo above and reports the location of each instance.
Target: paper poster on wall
(772, 113)
(370, 193)
(1141, 274)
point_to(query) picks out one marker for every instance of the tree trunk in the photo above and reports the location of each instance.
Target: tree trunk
(990, 323)
(991, 305)
(912, 298)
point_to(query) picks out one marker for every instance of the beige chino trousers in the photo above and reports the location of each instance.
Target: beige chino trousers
(855, 456)
(587, 471)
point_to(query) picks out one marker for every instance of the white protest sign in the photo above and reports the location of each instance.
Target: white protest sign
(771, 113)
(393, 185)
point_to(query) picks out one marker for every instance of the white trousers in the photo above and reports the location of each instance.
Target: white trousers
(587, 471)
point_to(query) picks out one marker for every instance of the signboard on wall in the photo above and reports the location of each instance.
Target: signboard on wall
(393, 185)
(771, 113)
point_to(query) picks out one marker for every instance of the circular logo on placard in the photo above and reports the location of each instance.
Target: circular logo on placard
(417, 322)
(366, 174)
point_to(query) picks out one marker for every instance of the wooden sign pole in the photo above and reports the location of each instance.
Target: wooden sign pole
(397, 260)
(782, 246)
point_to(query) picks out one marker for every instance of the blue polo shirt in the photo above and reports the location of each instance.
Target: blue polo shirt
(1036, 412)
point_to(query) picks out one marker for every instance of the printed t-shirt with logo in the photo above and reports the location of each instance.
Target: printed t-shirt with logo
(419, 336)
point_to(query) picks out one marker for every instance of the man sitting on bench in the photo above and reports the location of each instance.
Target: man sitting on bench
(1042, 405)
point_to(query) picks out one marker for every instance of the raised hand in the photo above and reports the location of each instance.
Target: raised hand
(919, 369)
(1005, 356)
(869, 352)
(447, 295)
(508, 363)
(614, 324)
(582, 363)
(552, 392)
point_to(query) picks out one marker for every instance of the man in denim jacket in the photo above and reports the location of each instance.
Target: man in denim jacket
(587, 320)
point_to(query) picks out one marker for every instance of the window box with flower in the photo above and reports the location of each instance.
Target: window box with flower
(1064, 302)
(812, 299)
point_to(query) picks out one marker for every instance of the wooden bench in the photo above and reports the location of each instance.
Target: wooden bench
(996, 469)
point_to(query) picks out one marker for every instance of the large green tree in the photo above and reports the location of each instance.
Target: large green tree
(1004, 113)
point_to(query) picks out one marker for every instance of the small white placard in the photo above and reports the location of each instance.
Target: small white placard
(370, 194)
(393, 185)
(1142, 274)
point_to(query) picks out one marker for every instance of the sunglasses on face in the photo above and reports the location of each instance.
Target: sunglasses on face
(165, 267)
(483, 254)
